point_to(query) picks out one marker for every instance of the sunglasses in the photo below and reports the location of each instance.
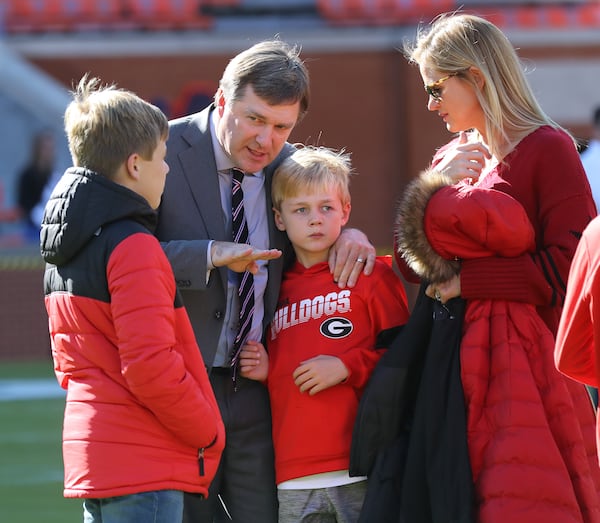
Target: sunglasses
(435, 89)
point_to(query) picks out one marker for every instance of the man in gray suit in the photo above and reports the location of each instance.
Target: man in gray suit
(262, 95)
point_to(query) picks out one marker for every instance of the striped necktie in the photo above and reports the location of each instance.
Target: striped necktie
(246, 279)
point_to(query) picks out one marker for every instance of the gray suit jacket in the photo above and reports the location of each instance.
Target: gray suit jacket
(190, 216)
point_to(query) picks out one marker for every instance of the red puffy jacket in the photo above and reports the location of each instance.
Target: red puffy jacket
(140, 412)
(528, 428)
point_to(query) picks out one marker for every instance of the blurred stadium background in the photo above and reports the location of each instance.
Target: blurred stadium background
(365, 98)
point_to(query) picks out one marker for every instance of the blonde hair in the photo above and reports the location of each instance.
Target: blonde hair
(453, 44)
(312, 168)
(105, 125)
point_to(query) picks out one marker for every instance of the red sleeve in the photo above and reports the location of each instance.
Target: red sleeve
(387, 308)
(464, 221)
(546, 176)
(142, 289)
(579, 328)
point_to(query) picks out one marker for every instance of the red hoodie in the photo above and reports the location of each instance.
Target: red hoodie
(312, 434)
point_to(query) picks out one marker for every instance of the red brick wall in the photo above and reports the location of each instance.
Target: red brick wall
(23, 319)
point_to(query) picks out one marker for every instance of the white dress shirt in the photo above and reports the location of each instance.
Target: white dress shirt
(258, 229)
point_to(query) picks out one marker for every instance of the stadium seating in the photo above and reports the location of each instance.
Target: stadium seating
(221, 3)
(33, 16)
(194, 96)
(37, 16)
(524, 15)
(381, 12)
(169, 14)
(72, 15)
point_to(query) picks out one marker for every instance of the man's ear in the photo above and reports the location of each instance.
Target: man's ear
(278, 221)
(220, 101)
(132, 165)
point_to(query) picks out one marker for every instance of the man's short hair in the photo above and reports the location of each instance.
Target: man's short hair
(275, 72)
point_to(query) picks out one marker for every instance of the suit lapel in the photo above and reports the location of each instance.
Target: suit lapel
(200, 171)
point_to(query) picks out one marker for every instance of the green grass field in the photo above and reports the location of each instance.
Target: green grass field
(31, 470)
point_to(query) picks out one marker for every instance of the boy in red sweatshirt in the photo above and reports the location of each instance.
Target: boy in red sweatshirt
(323, 342)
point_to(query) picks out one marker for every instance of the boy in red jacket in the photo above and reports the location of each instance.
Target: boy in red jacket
(141, 423)
(322, 343)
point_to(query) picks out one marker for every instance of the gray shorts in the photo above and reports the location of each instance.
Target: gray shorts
(323, 505)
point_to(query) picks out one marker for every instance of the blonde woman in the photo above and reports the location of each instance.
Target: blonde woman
(529, 430)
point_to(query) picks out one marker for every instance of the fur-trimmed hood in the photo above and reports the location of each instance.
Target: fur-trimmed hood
(412, 242)
(439, 223)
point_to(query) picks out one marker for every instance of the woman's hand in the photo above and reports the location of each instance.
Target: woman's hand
(465, 160)
(444, 291)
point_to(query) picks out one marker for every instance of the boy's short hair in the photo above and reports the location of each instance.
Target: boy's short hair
(275, 72)
(105, 125)
(312, 168)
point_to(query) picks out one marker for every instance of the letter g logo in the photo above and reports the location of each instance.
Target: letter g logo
(336, 328)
